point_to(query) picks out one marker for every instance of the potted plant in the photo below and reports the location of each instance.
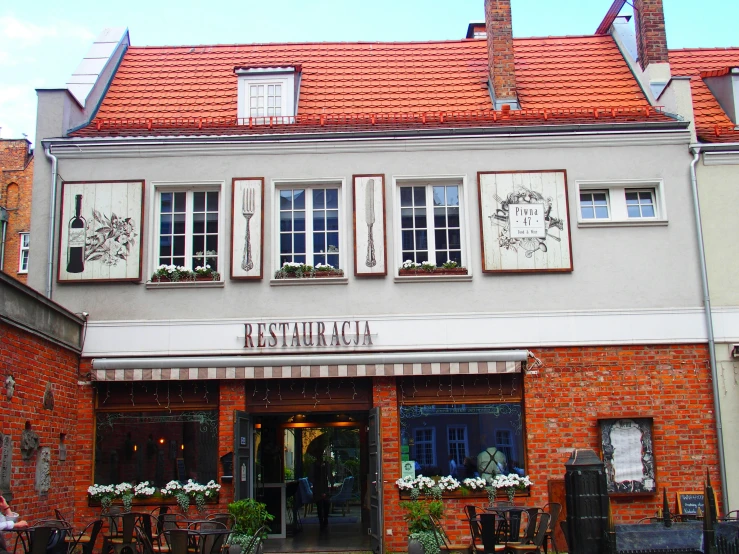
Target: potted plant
(421, 511)
(249, 518)
(510, 483)
(427, 268)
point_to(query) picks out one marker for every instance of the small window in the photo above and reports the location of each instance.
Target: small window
(640, 203)
(621, 203)
(431, 223)
(504, 443)
(266, 95)
(25, 245)
(188, 228)
(594, 205)
(457, 441)
(309, 225)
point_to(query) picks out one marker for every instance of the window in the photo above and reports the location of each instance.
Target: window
(188, 226)
(25, 244)
(266, 94)
(162, 439)
(309, 225)
(431, 223)
(425, 447)
(479, 419)
(640, 203)
(621, 203)
(594, 205)
(457, 441)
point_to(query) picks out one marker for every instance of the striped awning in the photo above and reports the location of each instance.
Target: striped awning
(128, 370)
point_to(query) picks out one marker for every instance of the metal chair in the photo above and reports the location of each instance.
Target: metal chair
(554, 509)
(178, 540)
(490, 533)
(305, 492)
(344, 495)
(538, 540)
(86, 538)
(473, 520)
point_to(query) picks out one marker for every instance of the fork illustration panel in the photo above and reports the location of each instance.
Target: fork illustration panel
(247, 228)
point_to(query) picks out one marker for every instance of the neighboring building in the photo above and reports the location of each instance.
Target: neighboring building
(40, 439)
(536, 164)
(16, 180)
(701, 86)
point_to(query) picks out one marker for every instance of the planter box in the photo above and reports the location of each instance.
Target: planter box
(316, 275)
(196, 279)
(437, 271)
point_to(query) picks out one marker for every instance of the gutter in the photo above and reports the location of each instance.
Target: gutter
(709, 325)
(52, 219)
(323, 136)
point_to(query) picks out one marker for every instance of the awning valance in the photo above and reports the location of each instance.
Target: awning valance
(294, 367)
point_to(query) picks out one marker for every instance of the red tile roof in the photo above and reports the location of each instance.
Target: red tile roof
(179, 87)
(711, 122)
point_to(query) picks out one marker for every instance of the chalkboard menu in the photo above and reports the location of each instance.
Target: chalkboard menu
(688, 503)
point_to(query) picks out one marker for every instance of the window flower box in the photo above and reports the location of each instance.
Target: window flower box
(292, 270)
(426, 268)
(178, 274)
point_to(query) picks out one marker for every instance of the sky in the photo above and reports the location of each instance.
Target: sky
(43, 41)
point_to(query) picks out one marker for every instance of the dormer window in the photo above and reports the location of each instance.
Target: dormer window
(267, 95)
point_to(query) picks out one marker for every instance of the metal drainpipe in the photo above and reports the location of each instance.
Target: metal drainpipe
(709, 324)
(4, 221)
(52, 219)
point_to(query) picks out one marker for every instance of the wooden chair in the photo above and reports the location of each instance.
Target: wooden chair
(490, 532)
(554, 509)
(538, 540)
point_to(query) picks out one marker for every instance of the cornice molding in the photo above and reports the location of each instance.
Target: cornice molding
(721, 158)
(224, 146)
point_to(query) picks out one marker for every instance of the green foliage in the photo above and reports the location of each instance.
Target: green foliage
(249, 516)
(419, 514)
(428, 540)
(243, 541)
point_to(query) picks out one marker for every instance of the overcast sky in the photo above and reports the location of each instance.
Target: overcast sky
(43, 41)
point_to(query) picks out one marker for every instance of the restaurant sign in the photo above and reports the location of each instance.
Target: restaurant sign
(296, 334)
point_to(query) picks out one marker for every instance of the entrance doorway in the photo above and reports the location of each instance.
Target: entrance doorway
(308, 470)
(315, 464)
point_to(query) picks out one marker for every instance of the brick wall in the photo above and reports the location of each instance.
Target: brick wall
(651, 40)
(501, 67)
(16, 180)
(34, 362)
(572, 389)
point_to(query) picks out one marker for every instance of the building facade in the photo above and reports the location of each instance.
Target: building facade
(16, 179)
(503, 244)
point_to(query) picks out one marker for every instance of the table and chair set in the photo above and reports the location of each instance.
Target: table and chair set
(505, 527)
(157, 532)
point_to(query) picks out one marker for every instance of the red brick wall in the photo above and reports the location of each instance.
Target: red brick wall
(564, 399)
(16, 181)
(501, 67)
(34, 362)
(651, 40)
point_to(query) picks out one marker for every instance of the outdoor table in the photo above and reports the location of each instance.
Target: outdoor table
(512, 517)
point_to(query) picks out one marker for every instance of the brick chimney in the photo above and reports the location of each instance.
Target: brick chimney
(501, 68)
(651, 40)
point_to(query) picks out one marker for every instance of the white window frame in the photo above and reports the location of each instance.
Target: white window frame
(284, 76)
(23, 249)
(154, 219)
(509, 444)
(309, 184)
(434, 461)
(464, 442)
(616, 199)
(437, 180)
(592, 192)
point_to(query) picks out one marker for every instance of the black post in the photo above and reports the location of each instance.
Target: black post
(587, 503)
(666, 518)
(709, 534)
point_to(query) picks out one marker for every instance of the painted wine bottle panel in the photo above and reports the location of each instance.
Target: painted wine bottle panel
(100, 237)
